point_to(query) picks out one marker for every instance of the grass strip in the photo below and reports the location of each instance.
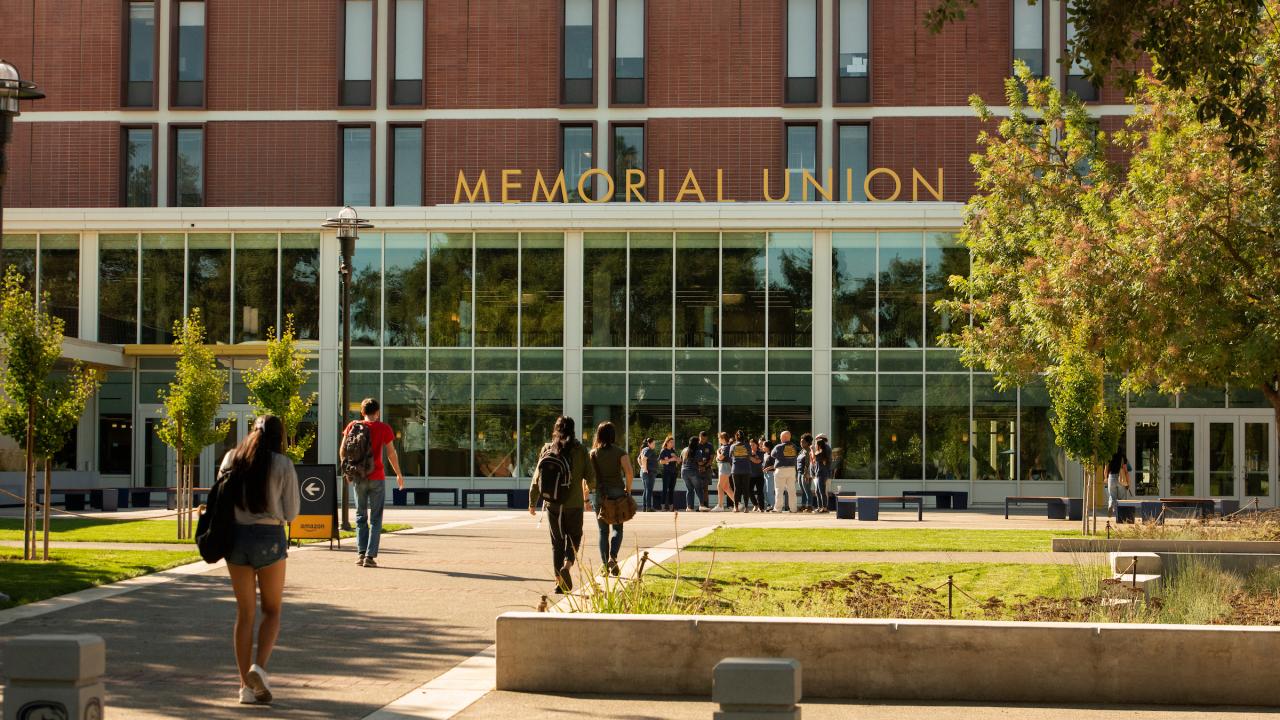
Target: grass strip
(855, 540)
(71, 570)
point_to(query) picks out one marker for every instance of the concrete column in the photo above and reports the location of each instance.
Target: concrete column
(756, 689)
(54, 676)
(822, 331)
(380, 74)
(573, 326)
(1056, 28)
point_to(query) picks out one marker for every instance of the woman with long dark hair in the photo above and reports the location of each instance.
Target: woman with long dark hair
(613, 480)
(565, 516)
(690, 461)
(822, 466)
(741, 459)
(262, 479)
(670, 463)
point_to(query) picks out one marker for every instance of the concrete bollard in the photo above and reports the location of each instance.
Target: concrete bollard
(757, 689)
(54, 676)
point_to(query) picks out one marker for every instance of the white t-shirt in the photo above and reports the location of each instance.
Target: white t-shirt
(283, 499)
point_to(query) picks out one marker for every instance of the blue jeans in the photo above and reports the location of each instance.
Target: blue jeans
(608, 550)
(647, 499)
(370, 497)
(820, 492)
(804, 492)
(692, 488)
(768, 490)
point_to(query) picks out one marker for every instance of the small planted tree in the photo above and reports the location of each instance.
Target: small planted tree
(36, 409)
(275, 388)
(1088, 419)
(191, 402)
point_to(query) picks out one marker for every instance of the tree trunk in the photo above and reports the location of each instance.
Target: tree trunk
(48, 487)
(177, 493)
(29, 521)
(1084, 499)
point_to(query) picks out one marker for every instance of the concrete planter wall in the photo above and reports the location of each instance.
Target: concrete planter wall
(1258, 547)
(896, 659)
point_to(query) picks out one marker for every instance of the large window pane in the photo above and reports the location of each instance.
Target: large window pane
(995, 416)
(855, 53)
(790, 289)
(357, 173)
(853, 430)
(576, 144)
(604, 292)
(256, 276)
(357, 65)
(604, 397)
(117, 288)
(405, 274)
(449, 425)
(744, 289)
(541, 402)
(1076, 81)
(853, 287)
(20, 252)
(651, 293)
(1040, 456)
(802, 155)
(190, 55)
(300, 282)
(744, 403)
(901, 290)
(406, 145)
(802, 52)
(1028, 35)
(901, 446)
(366, 290)
(579, 46)
(944, 257)
(162, 271)
(209, 283)
(60, 279)
(790, 404)
(650, 409)
(854, 151)
(542, 294)
(115, 424)
(142, 54)
(628, 154)
(404, 397)
(407, 88)
(497, 289)
(946, 455)
(188, 167)
(697, 289)
(139, 171)
(450, 301)
(697, 406)
(628, 51)
(495, 443)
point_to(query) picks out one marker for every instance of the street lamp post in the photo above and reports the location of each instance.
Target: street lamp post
(12, 89)
(348, 224)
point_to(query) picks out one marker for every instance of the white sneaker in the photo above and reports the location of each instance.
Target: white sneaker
(259, 684)
(246, 696)
(716, 508)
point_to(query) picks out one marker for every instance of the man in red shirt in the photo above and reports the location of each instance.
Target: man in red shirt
(371, 492)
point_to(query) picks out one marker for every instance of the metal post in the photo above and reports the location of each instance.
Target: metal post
(348, 251)
(950, 586)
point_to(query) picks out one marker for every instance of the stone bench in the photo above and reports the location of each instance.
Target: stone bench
(945, 499)
(869, 505)
(422, 496)
(1056, 508)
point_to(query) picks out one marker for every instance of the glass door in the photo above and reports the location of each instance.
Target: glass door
(211, 457)
(1144, 438)
(1182, 457)
(1257, 461)
(1222, 457)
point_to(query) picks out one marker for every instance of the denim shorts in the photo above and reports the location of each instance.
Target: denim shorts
(258, 546)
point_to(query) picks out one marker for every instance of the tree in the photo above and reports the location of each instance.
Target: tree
(1088, 419)
(34, 406)
(1195, 44)
(191, 405)
(275, 388)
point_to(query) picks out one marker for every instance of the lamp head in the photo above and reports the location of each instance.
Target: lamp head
(13, 88)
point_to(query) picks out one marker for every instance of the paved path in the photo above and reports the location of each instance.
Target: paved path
(1032, 558)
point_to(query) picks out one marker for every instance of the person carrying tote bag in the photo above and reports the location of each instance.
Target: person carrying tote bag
(614, 503)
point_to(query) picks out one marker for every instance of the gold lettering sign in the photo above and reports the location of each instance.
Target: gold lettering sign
(633, 183)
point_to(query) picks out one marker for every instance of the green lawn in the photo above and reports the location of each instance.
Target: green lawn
(130, 531)
(791, 589)
(72, 570)
(841, 540)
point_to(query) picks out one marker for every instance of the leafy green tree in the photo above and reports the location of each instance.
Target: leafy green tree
(275, 388)
(1088, 418)
(36, 407)
(190, 422)
(1196, 45)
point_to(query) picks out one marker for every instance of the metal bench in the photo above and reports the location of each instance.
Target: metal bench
(1129, 511)
(482, 492)
(1057, 508)
(421, 496)
(1199, 507)
(869, 505)
(75, 499)
(946, 499)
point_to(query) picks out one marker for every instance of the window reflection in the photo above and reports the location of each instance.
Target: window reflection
(650, 408)
(650, 291)
(541, 401)
(853, 430)
(209, 283)
(604, 397)
(162, 273)
(697, 289)
(497, 289)
(995, 416)
(947, 427)
(450, 303)
(901, 288)
(449, 425)
(790, 289)
(404, 399)
(901, 446)
(853, 280)
(604, 292)
(495, 439)
(300, 282)
(405, 296)
(542, 294)
(366, 290)
(117, 287)
(743, 290)
(257, 258)
(1041, 458)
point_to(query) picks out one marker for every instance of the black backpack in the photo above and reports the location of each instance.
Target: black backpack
(552, 474)
(357, 453)
(215, 530)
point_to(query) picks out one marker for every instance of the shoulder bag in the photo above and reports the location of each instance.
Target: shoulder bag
(612, 511)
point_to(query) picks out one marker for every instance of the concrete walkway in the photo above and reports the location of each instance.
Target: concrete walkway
(1025, 558)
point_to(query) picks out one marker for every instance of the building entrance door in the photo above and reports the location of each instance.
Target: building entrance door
(211, 457)
(1218, 454)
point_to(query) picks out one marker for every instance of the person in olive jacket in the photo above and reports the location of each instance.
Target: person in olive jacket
(565, 518)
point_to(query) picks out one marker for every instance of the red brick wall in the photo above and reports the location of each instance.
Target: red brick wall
(492, 146)
(77, 51)
(911, 66)
(714, 52)
(493, 53)
(64, 164)
(925, 144)
(272, 55)
(743, 147)
(271, 163)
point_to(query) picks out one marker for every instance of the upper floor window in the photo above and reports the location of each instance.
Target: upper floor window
(853, 153)
(357, 57)
(406, 165)
(188, 55)
(1028, 35)
(576, 147)
(356, 155)
(139, 163)
(406, 85)
(628, 51)
(802, 157)
(802, 51)
(578, 81)
(140, 54)
(628, 154)
(188, 167)
(1076, 81)
(854, 74)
